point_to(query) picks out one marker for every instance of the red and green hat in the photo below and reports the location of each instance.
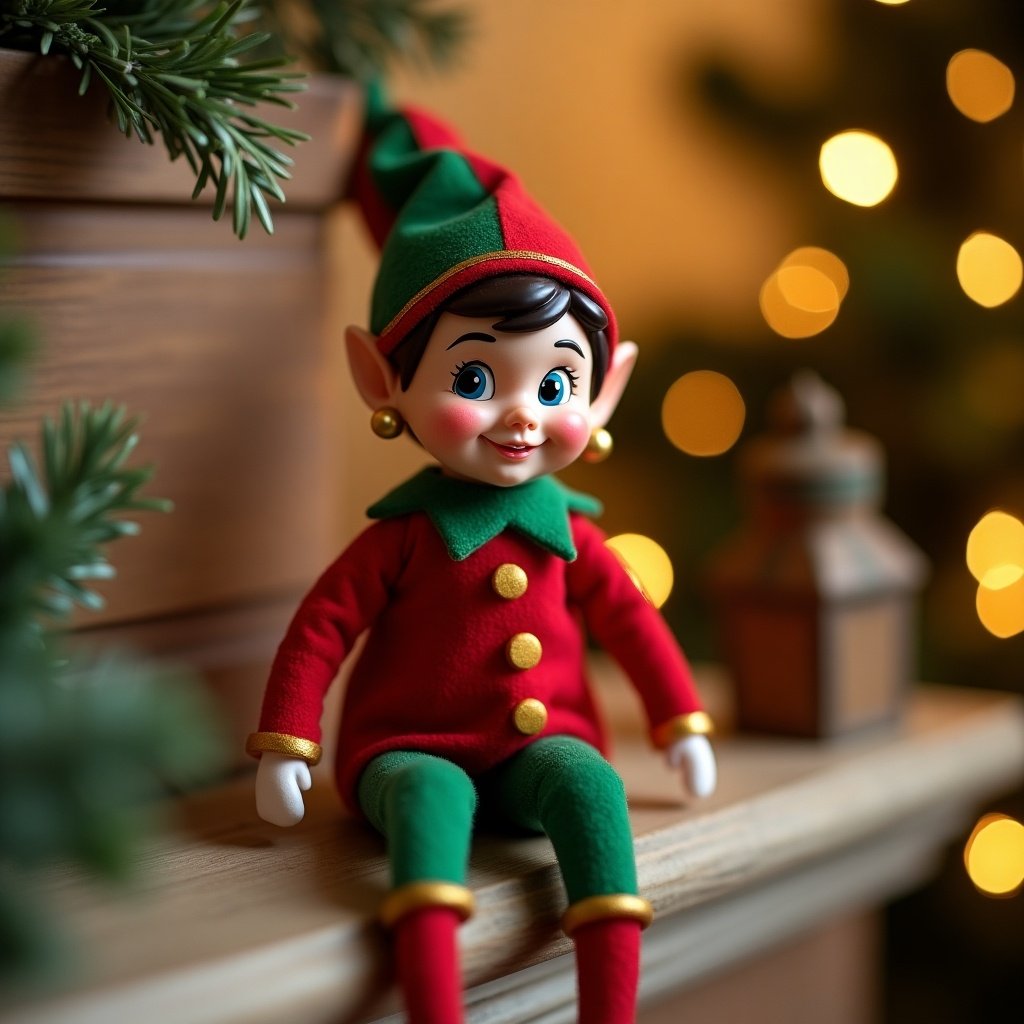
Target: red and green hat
(445, 218)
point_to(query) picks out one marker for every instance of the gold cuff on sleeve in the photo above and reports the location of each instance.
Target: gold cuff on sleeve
(282, 743)
(618, 905)
(696, 723)
(416, 895)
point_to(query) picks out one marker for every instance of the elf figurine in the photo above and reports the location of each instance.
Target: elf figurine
(491, 345)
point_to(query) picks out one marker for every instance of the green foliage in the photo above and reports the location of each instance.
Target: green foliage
(192, 72)
(54, 522)
(360, 38)
(173, 70)
(85, 738)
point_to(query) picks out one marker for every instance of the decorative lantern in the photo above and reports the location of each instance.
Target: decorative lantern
(816, 594)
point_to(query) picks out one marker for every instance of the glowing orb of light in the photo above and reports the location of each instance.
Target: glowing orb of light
(802, 296)
(647, 563)
(703, 413)
(995, 550)
(828, 263)
(989, 269)
(1002, 611)
(981, 86)
(858, 167)
(994, 855)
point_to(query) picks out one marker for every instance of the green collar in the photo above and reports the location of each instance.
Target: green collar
(468, 515)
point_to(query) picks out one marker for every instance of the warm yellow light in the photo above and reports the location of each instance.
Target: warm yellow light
(1001, 576)
(858, 167)
(821, 259)
(989, 269)
(994, 855)
(788, 320)
(648, 565)
(980, 86)
(703, 413)
(893, 3)
(997, 541)
(808, 289)
(1002, 611)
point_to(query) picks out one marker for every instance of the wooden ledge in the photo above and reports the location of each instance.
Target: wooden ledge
(58, 145)
(232, 919)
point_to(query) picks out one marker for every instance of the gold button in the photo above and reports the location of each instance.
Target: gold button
(530, 716)
(523, 650)
(509, 581)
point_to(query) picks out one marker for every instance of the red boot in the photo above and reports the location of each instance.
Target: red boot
(427, 959)
(608, 970)
(425, 917)
(606, 930)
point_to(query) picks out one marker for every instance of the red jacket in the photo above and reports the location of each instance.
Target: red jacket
(436, 673)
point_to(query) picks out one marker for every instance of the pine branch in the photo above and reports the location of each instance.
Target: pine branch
(361, 38)
(54, 522)
(175, 68)
(84, 741)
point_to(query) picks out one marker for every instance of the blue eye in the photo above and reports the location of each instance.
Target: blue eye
(557, 387)
(474, 381)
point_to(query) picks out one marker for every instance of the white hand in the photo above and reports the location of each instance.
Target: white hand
(280, 782)
(700, 772)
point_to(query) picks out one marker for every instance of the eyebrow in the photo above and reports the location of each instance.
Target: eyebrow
(566, 343)
(472, 336)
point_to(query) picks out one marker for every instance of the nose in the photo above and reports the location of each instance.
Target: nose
(521, 417)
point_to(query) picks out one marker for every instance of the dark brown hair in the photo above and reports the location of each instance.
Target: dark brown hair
(524, 302)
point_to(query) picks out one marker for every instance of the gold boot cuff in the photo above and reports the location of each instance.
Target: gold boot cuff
(416, 895)
(600, 908)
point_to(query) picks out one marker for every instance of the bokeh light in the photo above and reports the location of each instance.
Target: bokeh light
(788, 320)
(808, 289)
(801, 297)
(821, 259)
(1002, 611)
(994, 855)
(648, 565)
(703, 413)
(989, 269)
(858, 167)
(995, 550)
(980, 86)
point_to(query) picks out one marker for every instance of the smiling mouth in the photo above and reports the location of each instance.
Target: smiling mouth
(513, 452)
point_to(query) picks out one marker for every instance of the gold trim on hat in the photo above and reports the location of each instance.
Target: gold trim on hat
(500, 254)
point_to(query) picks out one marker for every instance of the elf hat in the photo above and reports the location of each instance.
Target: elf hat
(445, 218)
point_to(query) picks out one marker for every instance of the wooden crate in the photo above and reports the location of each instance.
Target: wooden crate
(219, 345)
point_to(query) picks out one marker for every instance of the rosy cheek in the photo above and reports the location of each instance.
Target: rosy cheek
(458, 422)
(570, 430)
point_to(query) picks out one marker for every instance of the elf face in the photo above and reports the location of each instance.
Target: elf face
(501, 408)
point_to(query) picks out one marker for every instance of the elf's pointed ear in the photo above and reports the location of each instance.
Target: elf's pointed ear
(375, 379)
(615, 381)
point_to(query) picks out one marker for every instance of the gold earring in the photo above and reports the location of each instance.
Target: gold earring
(387, 422)
(599, 447)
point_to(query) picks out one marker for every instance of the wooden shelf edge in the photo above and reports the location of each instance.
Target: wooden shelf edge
(798, 831)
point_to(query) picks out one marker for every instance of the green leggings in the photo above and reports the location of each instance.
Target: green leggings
(424, 806)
